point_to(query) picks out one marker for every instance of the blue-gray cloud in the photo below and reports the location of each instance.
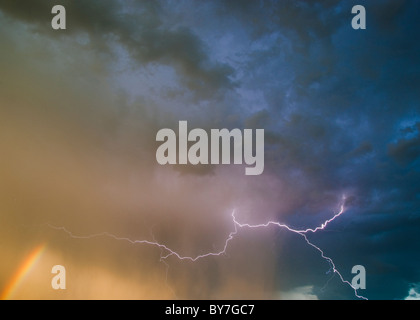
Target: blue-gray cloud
(340, 108)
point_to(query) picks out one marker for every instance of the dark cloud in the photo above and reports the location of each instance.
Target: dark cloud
(139, 29)
(337, 128)
(407, 150)
(364, 148)
(339, 108)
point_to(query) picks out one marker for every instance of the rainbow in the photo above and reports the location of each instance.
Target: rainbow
(22, 271)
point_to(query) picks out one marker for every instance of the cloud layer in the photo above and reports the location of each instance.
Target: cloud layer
(340, 108)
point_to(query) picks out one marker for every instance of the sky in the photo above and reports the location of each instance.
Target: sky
(79, 113)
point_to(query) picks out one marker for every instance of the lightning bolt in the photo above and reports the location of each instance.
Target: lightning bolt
(167, 252)
(303, 233)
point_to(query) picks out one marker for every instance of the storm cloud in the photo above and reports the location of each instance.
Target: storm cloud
(80, 109)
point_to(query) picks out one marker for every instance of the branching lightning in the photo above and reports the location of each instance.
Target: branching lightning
(304, 233)
(167, 252)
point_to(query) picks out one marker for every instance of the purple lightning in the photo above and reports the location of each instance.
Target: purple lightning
(168, 252)
(303, 233)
